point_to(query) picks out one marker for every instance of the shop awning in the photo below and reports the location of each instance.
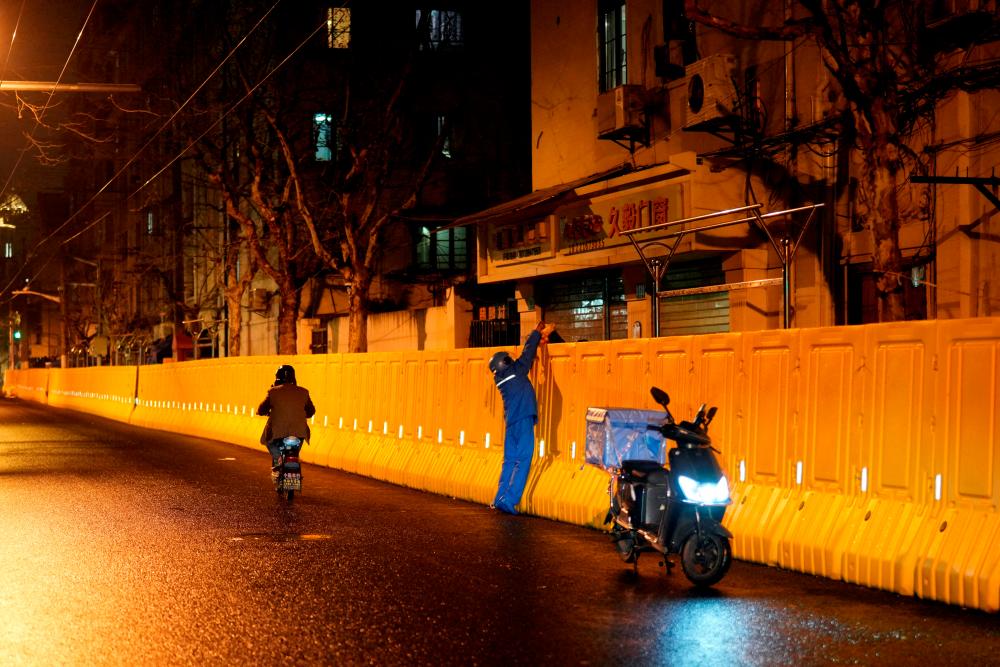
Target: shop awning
(534, 204)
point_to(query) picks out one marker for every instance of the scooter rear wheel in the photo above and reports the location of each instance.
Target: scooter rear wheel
(706, 560)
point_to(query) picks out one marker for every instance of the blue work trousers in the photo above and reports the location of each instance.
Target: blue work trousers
(518, 448)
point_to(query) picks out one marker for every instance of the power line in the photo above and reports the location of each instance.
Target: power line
(159, 131)
(13, 36)
(136, 155)
(228, 111)
(41, 113)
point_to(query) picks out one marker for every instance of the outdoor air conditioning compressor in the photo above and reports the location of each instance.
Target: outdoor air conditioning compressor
(711, 91)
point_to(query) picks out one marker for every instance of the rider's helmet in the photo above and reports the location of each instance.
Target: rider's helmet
(500, 361)
(284, 375)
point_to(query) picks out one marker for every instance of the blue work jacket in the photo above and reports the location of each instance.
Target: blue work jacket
(515, 388)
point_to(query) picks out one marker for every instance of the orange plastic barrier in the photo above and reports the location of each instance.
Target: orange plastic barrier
(31, 384)
(867, 454)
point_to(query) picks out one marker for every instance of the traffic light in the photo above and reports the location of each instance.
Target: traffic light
(17, 334)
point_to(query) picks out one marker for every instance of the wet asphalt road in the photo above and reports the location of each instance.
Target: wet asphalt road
(132, 547)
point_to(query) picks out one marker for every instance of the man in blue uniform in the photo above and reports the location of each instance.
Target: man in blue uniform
(520, 410)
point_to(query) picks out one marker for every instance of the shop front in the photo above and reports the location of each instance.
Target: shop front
(572, 260)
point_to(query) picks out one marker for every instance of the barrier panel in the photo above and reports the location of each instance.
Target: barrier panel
(31, 384)
(110, 393)
(868, 454)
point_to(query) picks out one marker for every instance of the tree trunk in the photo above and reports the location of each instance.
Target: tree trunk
(357, 330)
(878, 193)
(288, 317)
(234, 308)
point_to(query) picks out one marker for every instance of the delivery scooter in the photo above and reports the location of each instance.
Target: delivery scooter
(678, 509)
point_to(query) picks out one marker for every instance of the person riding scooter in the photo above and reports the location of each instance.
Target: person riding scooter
(287, 408)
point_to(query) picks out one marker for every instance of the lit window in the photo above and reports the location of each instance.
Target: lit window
(150, 223)
(443, 129)
(445, 250)
(611, 29)
(441, 28)
(8, 249)
(323, 132)
(424, 255)
(338, 27)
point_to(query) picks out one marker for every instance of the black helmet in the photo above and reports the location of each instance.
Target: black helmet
(500, 361)
(284, 375)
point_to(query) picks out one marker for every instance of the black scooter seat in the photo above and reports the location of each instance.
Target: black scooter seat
(651, 472)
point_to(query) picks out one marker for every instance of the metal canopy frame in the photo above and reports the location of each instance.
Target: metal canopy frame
(785, 247)
(979, 182)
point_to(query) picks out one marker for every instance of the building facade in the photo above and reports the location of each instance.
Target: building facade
(608, 165)
(641, 118)
(166, 273)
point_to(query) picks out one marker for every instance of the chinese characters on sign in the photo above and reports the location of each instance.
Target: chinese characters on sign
(589, 230)
(594, 225)
(581, 233)
(632, 215)
(520, 241)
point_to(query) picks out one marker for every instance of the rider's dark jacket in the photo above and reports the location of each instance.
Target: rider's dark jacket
(287, 407)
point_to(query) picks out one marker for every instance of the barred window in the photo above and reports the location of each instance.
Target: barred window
(612, 51)
(441, 28)
(338, 27)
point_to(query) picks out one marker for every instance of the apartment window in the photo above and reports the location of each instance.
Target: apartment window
(323, 134)
(445, 250)
(440, 28)
(150, 223)
(611, 33)
(338, 27)
(8, 249)
(444, 128)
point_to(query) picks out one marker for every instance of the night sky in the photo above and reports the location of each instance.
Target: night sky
(46, 30)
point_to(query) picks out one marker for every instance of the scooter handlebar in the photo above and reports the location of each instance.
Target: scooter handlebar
(681, 434)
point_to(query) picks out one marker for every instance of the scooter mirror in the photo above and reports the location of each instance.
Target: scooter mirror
(660, 396)
(711, 414)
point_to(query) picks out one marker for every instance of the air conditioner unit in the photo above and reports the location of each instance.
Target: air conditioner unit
(620, 112)
(711, 91)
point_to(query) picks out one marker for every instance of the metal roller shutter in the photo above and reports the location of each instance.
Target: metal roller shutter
(590, 307)
(694, 313)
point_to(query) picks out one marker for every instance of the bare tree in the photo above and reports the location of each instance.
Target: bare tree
(271, 233)
(242, 161)
(381, 176)
(337, 204)
(892, 72)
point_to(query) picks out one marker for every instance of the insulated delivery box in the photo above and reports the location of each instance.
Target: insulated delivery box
(620, 434)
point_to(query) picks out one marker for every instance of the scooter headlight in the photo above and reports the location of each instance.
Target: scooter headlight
(708, 493)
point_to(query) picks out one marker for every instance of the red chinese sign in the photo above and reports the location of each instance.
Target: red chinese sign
(633, 215)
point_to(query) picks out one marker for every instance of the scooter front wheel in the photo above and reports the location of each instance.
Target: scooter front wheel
(706, 560)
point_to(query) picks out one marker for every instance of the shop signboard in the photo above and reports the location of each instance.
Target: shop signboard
(597, 224)
(587, 232)
(520, 242)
